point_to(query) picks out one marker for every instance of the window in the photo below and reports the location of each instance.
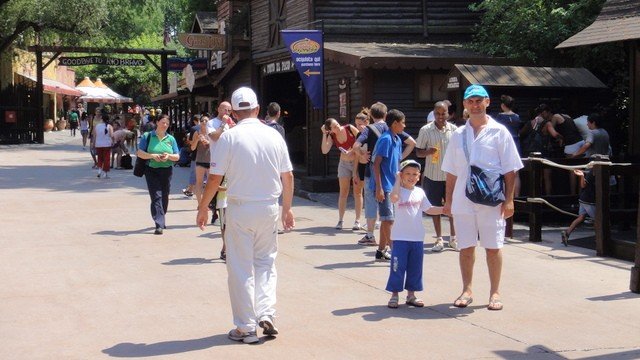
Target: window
(428, 88)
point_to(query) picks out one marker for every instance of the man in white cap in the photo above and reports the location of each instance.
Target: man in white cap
(488, 145)
(243, 151)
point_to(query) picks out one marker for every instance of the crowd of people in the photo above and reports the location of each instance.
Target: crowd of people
(376, 159)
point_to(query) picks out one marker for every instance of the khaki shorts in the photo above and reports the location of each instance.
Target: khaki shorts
(345, 169)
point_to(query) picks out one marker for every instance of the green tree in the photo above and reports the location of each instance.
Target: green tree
(22, 21)
(530, 30)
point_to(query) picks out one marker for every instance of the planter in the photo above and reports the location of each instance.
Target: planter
(48, 125)
(61, 125)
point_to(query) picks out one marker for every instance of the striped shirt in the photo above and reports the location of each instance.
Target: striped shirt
(428, 137)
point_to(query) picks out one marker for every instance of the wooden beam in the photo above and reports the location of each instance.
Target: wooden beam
(635, 271)
(634, 98)
(53, 58)
(39, 98)
(602, 222)
(152, 62)
(80, 49)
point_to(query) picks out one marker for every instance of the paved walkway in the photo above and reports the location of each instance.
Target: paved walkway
(84, 278)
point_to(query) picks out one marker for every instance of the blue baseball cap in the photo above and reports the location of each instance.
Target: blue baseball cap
(475, 90)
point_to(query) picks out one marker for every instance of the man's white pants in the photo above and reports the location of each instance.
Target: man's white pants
(252, 245)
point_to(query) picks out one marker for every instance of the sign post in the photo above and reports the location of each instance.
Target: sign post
(195, 41)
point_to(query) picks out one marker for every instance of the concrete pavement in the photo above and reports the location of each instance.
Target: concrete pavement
(84, 278)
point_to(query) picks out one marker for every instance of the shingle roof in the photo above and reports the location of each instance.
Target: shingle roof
(527, 76)
(619, 20)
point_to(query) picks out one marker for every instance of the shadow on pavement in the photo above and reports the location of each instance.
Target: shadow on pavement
(193, 261)
(382, 312)
(334, 247)
(364, 264)
(621, 296)
(166, 347)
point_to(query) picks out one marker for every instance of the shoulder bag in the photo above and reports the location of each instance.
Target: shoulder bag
(484, 187)
(141, 164)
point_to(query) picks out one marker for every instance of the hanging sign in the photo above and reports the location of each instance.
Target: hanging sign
(100, 60)
(177, 64)
(197, 41)
(306, 48)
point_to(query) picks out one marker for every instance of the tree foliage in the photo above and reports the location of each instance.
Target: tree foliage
(52, 21)
(531, 29)
(102, 23)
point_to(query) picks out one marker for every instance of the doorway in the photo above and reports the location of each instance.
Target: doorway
(286, 90)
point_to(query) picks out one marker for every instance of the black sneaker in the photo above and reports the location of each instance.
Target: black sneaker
(223, 255)
(383, 255)
(158, 231)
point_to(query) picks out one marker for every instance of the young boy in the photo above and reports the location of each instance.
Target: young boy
(587, 201)
(386, 156)
(408, 234)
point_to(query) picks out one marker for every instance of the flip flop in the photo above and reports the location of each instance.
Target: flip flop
(414, 301)
(495, 305)
(393, 302)
(464, 301)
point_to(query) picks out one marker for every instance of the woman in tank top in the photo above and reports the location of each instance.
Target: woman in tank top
(343, 137)
(102, 140)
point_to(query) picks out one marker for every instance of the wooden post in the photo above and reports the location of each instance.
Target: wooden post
(635, 271)
(39, 97)
(164, 70)
(602, 223)
(535, 209)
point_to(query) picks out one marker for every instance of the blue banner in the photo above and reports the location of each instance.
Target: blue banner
(306, 48)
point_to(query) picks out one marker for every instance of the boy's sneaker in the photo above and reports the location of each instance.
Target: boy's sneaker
(339, 225)
(383, 255)
(368, 240)
(268, 325)
(565, 237)
(453, 243)
(438, 246)
(247, 338)
(187, 193)
(356, 226)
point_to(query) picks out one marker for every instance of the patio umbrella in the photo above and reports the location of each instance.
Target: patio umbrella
(94, 93)
(119, 98)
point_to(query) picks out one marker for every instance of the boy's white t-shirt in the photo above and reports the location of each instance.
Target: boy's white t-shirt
(407, 224)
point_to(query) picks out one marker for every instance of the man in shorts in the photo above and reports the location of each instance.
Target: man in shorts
(491, 148)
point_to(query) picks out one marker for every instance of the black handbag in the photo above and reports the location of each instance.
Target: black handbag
(141, 164)
(484, 187)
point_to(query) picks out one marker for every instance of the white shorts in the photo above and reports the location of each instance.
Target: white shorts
(485, 225)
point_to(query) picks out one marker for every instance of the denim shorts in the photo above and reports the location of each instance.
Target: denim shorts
(385, 208)
(370, 202)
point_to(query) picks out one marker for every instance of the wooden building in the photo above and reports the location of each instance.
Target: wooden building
(398, 52)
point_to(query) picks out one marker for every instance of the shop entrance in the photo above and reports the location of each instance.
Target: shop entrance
(286, 90)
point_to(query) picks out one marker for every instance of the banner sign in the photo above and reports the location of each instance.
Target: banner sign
(178, 64)
(306, 48)
(100, 60)
(197, 41)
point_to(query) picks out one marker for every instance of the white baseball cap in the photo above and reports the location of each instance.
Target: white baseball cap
(244, 99)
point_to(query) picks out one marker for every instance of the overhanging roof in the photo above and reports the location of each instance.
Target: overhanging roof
(54, 86)
(402, 56)
(207, 22)
(619, 20)
(525, 76)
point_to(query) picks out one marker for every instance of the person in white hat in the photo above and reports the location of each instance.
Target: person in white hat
(243, 151)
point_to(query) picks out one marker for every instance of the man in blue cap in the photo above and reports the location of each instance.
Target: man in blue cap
(492, 149)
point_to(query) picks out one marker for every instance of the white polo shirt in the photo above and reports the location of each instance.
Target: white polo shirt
(251, 156)
(493, 149)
